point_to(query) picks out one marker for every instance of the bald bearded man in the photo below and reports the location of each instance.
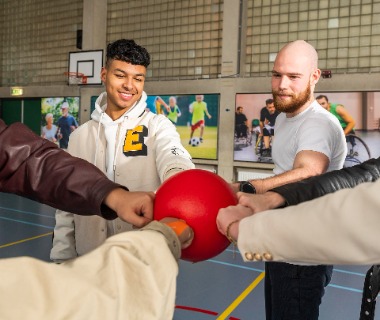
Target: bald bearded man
(309, 141)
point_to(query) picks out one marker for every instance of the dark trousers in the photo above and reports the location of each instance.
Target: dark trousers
(294, 292)
(241, 130)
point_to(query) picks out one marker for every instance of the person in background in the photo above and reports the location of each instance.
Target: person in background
(156, 105)
(241, 123)
(49, 131)
(174, 112)
(268, 116)
(345, 119)
(198, 110)
(66, 125)
(264, 112)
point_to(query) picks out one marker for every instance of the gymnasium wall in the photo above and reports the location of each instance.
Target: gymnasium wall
(36, 36)
(197, 46)
(185, 37)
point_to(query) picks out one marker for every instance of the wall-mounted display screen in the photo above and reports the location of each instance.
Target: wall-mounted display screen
(196, 119)
(255, 124)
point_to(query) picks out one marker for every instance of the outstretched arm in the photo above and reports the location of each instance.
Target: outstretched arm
(36, 168)
(338, 228)
(301, 191)
(329, 182)
(316, 224)
(306, 164)
(117, 279)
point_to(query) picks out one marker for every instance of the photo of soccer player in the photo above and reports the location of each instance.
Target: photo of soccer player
(196, 119)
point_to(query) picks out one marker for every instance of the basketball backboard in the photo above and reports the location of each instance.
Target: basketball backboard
(88, 63)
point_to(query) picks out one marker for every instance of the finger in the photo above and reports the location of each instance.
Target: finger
(224, 217)
(139, 221)
(221, 228)
(189, 240)
(240, 194)
(147, 213)
(245, 199)
(219, 219)
(147, 207)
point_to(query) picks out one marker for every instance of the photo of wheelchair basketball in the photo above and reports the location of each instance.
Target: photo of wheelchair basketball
(255, 136)
(255, 127)
(357, 151)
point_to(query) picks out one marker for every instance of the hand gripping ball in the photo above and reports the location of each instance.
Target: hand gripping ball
(196, 196)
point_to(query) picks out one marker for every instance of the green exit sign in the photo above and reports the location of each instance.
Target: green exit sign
(16, 91)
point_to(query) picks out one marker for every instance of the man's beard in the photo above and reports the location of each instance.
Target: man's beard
(294, 104)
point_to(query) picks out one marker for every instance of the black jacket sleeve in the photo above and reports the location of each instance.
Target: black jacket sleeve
(329, 182)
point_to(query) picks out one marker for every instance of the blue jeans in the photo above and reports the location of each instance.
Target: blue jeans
(294, 292)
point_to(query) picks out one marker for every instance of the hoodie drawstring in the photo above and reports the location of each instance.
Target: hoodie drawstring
(118, 143)
(97, 137)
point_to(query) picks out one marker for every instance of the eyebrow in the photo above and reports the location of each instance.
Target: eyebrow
(288, 74)
(136, 74)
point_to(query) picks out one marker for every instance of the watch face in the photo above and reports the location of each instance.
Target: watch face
(247, 187)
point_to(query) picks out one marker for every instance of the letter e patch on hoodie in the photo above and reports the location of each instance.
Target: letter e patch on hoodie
(134, 142)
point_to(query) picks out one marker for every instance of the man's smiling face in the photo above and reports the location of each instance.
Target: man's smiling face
(124, 85)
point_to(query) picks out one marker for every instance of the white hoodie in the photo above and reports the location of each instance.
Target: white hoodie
(111, 128)
(139, 150)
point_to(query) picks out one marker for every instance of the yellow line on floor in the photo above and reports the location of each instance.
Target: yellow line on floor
(24, 240)
(241, 297)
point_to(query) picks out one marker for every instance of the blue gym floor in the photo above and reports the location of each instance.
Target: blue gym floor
(220, 288)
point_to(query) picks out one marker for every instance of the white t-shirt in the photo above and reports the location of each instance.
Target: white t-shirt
(313, 129)
(49, 133)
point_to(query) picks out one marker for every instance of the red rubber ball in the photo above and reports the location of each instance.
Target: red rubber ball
(196, 196)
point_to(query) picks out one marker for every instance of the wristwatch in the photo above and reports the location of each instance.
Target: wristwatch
(247, 187)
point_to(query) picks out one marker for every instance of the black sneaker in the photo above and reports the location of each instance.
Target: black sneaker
(200, 140)
(266, 153)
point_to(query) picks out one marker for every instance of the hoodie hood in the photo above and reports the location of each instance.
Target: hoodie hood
(111, 128)
(134, 112)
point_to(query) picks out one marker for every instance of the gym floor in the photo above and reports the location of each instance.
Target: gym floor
(223, 287)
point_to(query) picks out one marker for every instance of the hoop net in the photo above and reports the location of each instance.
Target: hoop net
(75, 78)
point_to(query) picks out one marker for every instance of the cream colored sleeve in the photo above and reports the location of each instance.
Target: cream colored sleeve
(63, 246)
(131, 276)
(338, 228)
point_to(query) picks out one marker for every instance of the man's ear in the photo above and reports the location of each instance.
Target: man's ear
(315, 76)
(103, 74)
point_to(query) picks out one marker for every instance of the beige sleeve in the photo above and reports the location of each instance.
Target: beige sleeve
(63, 246)
(131, 276)
(338, 228)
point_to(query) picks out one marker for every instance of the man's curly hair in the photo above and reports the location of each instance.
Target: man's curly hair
(127, 51)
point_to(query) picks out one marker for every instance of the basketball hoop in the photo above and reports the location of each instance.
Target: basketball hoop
(75, 78)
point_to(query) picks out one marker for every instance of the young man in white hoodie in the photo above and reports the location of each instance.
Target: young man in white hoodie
(134, 147)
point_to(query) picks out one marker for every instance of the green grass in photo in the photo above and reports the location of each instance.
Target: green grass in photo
(207, 149)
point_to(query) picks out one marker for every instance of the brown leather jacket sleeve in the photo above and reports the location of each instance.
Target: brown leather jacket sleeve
(35, 168)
